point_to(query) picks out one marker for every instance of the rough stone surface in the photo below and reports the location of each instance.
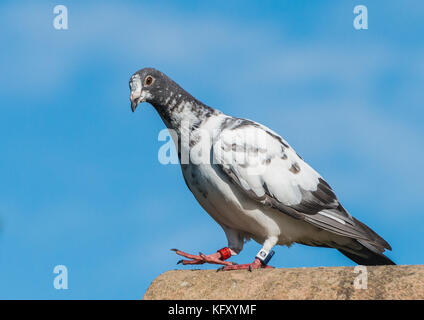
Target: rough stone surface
(384, 282)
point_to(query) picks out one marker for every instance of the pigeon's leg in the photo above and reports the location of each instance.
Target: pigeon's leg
(261, 259)
(235, 245)
(218, 257)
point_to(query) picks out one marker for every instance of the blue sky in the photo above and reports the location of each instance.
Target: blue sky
(81, 182)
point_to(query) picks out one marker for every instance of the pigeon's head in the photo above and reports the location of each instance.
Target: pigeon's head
(145, 86)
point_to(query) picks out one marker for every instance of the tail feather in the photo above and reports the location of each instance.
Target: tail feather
(366, 255)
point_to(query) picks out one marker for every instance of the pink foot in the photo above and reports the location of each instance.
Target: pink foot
(214, 258)
(257, 264)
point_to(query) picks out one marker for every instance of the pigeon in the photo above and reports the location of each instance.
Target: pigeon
(252, 182)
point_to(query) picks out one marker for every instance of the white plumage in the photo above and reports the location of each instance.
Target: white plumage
(251, 181)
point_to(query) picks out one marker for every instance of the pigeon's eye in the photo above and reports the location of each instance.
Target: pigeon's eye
(149, 80)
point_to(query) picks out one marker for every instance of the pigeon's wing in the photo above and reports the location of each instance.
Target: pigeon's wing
(268, 170)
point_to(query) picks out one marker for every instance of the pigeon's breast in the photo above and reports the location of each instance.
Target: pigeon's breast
(223, 200)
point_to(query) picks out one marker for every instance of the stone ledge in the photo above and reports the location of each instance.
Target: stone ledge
(383, 282)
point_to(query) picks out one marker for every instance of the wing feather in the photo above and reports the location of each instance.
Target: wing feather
(268, 170)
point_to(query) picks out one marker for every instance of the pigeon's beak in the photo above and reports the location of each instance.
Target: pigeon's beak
(134, 98)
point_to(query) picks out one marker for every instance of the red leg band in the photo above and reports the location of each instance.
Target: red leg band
(225, 253)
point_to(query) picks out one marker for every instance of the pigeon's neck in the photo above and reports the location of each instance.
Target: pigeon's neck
(181, 112)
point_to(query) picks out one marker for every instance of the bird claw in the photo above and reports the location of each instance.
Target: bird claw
(201, 258)
(249, 266)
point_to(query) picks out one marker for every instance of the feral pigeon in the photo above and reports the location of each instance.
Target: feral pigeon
(252, 182)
